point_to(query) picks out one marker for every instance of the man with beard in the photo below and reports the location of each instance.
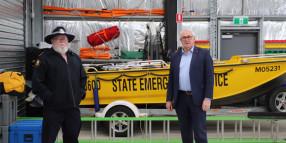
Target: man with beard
(59, 78)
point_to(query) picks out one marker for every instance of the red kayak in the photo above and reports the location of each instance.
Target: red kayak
(103, 36)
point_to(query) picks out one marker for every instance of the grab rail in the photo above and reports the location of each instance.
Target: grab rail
(264, 56)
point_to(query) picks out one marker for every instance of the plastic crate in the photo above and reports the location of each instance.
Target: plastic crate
(26, 131)
(4, 134)
(8, 109)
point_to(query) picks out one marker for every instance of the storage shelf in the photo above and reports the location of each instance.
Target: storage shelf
(122, 18)
(155, 18)
(96, 61)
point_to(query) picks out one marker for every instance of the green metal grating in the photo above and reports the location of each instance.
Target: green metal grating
(153, 118)
(180, 141)
(118, 140)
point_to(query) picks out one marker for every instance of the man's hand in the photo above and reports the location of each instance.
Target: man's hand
(206, 104)
(82, 96)
(169, 106)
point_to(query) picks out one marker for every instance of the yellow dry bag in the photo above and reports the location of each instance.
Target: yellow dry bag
(11, 82)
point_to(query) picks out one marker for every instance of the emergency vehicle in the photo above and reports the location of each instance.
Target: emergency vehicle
(139, 88)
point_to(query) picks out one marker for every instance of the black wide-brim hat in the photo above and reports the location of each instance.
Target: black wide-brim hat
(58, 31)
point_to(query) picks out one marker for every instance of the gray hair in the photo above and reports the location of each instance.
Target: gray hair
(187, 30)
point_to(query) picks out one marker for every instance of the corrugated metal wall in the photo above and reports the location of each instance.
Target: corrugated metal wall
(12, 52)
(12, 56)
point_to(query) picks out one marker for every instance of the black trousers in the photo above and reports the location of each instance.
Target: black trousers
(67, 119)
(192, 119)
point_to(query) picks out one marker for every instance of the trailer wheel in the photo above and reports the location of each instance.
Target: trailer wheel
(120, 126)
(277, 100)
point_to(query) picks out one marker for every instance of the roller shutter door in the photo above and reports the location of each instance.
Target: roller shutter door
(12, 41)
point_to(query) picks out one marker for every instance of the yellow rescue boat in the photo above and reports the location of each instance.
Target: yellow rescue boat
(245, 77)
(138, 83)
(236, 80)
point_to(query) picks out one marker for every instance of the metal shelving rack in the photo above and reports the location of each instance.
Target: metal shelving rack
(122, 18)
(213, 18)
(213, 28)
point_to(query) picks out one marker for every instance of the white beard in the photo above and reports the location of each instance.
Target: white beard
(62, 48)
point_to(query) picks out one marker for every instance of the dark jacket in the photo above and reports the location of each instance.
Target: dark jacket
(60, 84)
(201, 73)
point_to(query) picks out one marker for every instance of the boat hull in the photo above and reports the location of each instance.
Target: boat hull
(236, 80)
(242, 82)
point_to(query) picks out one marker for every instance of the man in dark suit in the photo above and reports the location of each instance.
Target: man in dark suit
(190, 88)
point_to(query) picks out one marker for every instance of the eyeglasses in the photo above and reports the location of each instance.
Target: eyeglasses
(187, 37)
(61, 38)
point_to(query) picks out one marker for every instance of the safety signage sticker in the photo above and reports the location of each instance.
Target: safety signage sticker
(179, 17)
